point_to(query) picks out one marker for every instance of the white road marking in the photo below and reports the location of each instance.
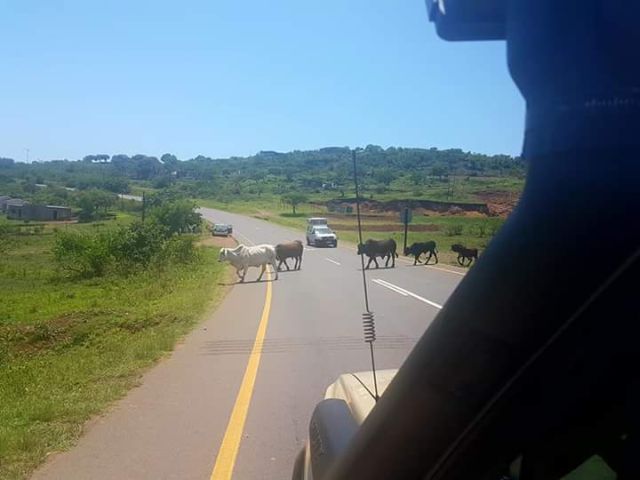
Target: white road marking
(381, 283)
(405, 293)
(246, 238)
(332, 261)
(462, 274)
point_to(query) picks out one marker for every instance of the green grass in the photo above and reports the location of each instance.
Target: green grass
(68, 348)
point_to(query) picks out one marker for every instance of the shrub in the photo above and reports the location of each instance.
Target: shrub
(136, 245)
(453, 229)
(122, 250)
(178, 250)
(177, 216)
(82, 254)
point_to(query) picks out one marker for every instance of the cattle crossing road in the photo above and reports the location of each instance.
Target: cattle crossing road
(235, 398)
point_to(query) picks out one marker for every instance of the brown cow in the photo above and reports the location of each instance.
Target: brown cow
(290, 250)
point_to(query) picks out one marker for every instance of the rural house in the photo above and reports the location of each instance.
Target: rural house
(3, 202)
(25, 211)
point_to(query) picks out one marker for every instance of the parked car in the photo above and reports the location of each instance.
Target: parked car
(321, 236)
(221, 230)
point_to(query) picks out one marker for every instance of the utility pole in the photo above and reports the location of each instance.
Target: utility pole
(27, 150)
(406, 217)
(144, 206)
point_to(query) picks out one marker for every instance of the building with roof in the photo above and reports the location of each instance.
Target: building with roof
(46, 213)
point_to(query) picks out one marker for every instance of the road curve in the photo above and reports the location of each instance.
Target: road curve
(172, 426)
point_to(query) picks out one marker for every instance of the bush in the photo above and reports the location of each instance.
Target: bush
(453, 229)
(136, 245)
(122, 250)
(82, 255)
(177, 216)
(178, 250)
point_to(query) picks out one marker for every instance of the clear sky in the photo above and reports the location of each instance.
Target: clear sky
(231, 77)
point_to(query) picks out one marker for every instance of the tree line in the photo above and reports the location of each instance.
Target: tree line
(267, 172)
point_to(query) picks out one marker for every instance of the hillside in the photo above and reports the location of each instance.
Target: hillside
(320, 175)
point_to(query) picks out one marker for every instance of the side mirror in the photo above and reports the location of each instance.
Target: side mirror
(463, 20)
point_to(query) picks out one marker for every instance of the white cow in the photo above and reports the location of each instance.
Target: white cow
(243, 257)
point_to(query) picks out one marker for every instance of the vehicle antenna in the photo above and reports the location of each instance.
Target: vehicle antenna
(368, 322)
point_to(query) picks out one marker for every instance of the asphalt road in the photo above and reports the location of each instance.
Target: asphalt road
(173, 425)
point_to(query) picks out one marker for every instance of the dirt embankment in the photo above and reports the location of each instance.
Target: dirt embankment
(500, 203)
(493, 204)
(348, 204)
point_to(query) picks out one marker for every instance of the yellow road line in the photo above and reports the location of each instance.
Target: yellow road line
(223, 469)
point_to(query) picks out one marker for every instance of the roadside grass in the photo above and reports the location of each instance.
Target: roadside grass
(446, 230)
(69, 348)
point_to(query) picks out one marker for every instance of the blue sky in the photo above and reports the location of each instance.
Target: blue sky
(223, 78)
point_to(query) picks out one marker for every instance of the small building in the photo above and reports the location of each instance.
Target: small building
(38, 212)
(14, 203)
(3, 202)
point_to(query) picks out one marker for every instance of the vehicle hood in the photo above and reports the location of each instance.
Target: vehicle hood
(349, 389)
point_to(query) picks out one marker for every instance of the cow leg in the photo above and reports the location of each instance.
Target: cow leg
(426, 262)
(264, 267)
(375, 260)
(279, 264)
(273, 264)
(415, 260)
(286, 265)
(244, 273)
(393, 259)
(368, 263)
(436, 256)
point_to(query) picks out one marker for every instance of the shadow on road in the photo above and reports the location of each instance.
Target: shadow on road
(373, 269)
(228, 284)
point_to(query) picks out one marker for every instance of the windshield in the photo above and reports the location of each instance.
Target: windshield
(135, 134)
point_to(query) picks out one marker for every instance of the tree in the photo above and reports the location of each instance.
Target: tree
(7, 162)
(438, 171)
(294, 199)
(100, 158)
(94, 204)
(384, 176)
(169, 160)
(146, 167)
(417, 178)
(179, 216)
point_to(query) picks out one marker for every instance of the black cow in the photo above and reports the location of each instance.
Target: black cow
(465, 253)
(417, 249)
(379, 248)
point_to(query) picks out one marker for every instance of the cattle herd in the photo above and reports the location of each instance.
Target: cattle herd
(242, 257)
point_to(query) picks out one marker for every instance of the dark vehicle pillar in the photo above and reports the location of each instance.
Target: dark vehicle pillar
(576, 64)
